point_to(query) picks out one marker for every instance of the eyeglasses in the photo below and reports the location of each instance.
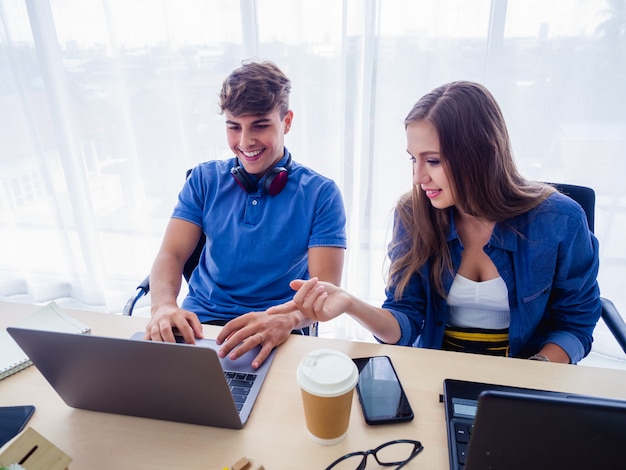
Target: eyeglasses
(398, 452)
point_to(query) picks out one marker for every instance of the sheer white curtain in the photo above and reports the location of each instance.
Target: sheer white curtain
(106, 103)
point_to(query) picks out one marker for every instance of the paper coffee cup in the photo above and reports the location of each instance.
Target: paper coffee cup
(327, 379)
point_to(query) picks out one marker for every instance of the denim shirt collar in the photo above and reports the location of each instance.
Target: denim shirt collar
(504, 234)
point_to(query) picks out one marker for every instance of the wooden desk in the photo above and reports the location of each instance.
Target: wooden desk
(275, 435)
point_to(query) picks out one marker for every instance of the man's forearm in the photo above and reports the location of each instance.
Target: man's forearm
(165, 283)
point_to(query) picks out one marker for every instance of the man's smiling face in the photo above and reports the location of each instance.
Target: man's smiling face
(258, 141)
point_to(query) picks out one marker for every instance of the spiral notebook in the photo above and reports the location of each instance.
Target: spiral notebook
(51, 318)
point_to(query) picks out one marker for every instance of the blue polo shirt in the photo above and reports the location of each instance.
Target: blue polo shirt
(255, 243)
(549, 261)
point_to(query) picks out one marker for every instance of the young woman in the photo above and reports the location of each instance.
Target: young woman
(482, 260)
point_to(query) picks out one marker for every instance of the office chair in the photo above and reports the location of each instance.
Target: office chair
(144, 286)
(586, 197)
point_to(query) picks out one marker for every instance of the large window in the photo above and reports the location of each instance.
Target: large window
(106, 103)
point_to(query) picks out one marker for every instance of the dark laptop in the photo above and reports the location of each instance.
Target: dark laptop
(168, 381)
(501, 427)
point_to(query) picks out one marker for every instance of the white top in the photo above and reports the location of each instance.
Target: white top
(474, 304)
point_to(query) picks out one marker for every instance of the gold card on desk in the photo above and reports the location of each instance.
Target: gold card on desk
(32, 451)
(50, 318)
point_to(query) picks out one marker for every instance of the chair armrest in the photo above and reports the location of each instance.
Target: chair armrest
(142, 289)
(614, 321)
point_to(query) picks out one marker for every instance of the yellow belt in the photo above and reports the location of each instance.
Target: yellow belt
(477, 340)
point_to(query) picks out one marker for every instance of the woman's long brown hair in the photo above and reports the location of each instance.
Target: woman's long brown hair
(476, 155)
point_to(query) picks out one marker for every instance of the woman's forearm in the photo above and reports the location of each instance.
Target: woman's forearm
(378, 320)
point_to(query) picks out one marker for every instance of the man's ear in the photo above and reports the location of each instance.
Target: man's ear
(287, 119)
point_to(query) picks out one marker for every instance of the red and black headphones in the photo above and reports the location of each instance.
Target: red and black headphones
(274, 181)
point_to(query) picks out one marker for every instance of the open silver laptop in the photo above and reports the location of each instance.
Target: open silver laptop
(168, 381)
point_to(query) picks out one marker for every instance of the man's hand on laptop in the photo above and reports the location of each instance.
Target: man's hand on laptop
(166, 320)
(244, 333)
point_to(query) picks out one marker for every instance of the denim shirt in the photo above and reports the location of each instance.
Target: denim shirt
(549, 261)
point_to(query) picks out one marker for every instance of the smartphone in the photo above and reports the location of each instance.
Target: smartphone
(12, 421)
(380, 392)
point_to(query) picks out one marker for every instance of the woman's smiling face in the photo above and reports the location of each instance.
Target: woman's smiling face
(428, 171)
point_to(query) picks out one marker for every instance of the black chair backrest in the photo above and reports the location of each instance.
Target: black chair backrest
(193, 260)
(584, 196)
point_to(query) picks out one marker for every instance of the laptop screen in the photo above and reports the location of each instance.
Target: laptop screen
(470, 414)
(524, 431)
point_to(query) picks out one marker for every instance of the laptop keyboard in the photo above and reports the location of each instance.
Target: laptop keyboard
(462, 431)
(240, 384)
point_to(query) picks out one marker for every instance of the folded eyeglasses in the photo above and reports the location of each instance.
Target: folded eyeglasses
(390, 454)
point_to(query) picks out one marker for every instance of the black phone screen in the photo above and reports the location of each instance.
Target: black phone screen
(12, 421)
(380, 393)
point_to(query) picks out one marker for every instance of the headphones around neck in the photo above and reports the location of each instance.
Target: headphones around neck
(274, 181)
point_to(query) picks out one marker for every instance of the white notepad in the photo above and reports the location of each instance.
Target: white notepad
(51, 318)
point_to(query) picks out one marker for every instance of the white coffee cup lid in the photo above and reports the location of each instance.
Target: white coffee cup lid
(327, 373)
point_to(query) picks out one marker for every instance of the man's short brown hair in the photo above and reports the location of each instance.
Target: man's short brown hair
(255, 88)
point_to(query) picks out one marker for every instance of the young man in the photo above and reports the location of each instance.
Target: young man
(267, 220)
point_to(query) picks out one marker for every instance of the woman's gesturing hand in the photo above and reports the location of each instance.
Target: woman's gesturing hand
(317, 300)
